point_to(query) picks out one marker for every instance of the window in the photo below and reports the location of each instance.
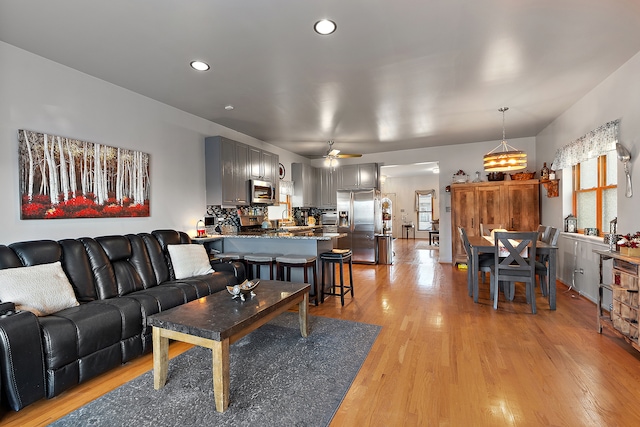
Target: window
(595, 192)
(424, 208)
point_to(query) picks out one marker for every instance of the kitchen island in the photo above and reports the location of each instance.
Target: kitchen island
(302, 241)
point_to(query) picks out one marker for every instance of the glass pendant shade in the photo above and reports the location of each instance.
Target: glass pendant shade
(331, 162)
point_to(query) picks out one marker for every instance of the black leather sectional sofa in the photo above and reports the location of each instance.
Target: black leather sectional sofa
(118, 282)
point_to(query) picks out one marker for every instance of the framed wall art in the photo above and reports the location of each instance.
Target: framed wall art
(68, 178)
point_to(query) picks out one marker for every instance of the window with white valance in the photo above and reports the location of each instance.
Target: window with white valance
(593, 164)
(592, 145)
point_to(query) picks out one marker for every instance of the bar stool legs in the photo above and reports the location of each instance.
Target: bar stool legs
(259, 260)
(331, 259)
(285, 263)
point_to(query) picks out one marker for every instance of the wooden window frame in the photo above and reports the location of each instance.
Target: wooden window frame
(598, 190)
(419, 193)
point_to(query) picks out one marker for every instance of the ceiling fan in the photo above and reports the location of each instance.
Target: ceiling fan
(333, 154)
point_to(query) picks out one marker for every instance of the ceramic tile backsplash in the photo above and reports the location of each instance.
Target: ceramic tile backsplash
(225, 216)
(229, 216)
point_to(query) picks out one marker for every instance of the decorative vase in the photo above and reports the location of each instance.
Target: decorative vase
(634, 252)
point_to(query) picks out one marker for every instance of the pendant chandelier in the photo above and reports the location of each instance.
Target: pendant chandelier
(504, 157)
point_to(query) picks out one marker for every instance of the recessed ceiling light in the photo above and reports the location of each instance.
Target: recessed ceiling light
(228, 107)
(199, 65)
(325, 27)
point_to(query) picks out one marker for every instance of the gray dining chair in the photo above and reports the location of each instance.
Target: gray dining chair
(542, 265)
(485, 261)
(543, 232)
(515, 267)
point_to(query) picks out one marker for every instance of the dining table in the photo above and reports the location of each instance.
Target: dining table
(480, 244)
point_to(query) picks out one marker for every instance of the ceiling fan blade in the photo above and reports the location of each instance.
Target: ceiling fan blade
(333, 153)
(346, 156)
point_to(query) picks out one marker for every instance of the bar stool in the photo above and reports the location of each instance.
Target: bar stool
(232, 256)
(285, 263)
(259, 259)
(337, 256)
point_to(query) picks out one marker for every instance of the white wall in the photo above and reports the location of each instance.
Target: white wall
(617, 97)
(41, 95)
(405, 191)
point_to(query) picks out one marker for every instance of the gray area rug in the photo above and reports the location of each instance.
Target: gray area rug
(278, 378)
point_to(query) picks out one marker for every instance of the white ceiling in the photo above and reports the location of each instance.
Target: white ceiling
(412, 169)
(395, 75)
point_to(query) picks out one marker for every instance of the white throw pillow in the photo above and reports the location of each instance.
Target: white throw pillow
(189, 260)
(41, 289)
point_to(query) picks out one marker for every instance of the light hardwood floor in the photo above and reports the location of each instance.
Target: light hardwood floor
(441, 360)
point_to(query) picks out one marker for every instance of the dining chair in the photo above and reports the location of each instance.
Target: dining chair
(485, 261)
(515, 267)
(485, 229)
(543, 232)
(542, 265)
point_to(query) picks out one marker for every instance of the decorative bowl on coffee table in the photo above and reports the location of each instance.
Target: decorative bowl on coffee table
(243, 289)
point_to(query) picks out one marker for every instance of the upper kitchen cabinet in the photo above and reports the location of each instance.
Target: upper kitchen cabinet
(226, 164)
(328, 188)
(357, 177)
(263, 165)
(304, 185)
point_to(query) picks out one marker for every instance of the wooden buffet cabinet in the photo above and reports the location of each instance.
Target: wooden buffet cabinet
(623, 317)
(515, 204)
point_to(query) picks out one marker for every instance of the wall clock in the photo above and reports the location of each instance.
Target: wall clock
(281, 171)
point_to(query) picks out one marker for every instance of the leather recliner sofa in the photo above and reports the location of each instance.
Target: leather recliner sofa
(118, 281)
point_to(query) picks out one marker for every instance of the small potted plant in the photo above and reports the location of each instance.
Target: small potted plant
(630, 244)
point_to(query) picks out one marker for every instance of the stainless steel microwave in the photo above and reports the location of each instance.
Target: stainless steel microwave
(263, 192)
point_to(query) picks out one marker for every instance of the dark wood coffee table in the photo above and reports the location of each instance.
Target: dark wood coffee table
(216, 321)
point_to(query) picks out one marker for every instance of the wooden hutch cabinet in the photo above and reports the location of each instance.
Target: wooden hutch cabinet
(514, 204)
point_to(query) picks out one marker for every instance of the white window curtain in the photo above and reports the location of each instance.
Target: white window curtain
(596, 143)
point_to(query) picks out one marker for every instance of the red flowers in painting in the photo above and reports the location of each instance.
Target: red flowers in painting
(81, 207)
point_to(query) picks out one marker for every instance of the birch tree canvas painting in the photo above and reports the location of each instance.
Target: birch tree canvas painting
(68, 178)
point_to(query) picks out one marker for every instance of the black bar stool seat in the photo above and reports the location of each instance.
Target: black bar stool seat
(333, 258)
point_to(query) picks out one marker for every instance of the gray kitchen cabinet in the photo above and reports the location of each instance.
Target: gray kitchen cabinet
(358, 177)
(304, 185)
(328, 178)
(263, 165)
(226, 172)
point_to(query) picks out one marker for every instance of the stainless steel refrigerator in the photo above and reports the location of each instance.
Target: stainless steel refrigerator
(360, 217)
